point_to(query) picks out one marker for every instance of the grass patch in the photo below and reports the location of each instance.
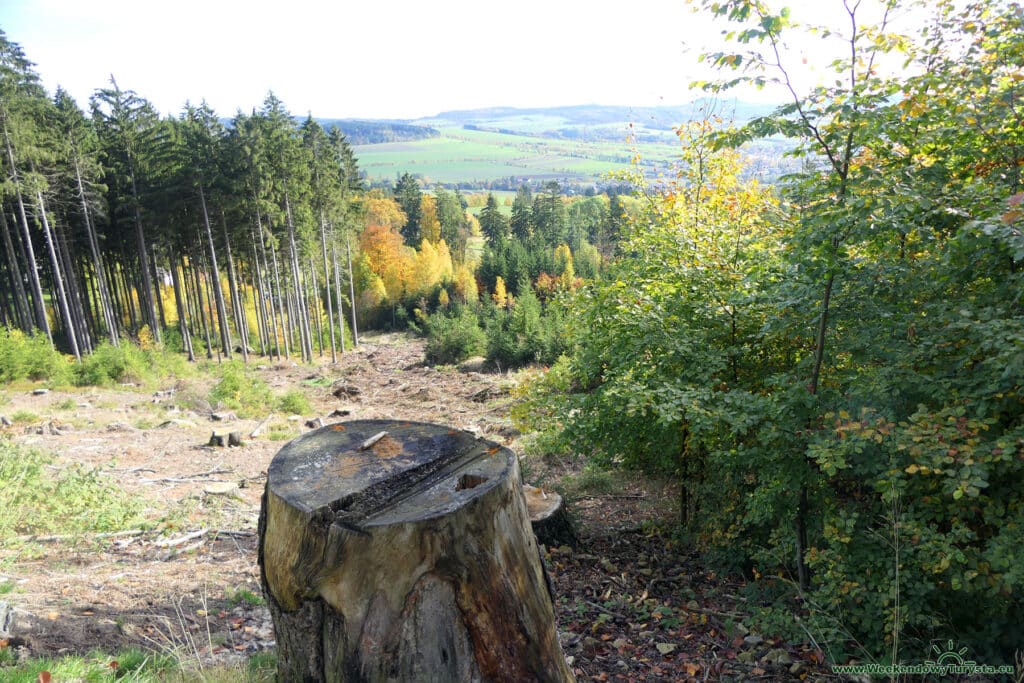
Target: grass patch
(280, 430)
(243, 595)
(294, 402)
(592, 481)
(6, 587)
(37, 500)
(66, 404)
(26, 416)
(135, 665)
(242, 391)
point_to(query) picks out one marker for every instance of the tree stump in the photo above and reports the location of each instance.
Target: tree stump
(400, 551)
(551, 523)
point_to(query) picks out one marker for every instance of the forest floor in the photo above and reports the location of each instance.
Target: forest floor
(633, 605)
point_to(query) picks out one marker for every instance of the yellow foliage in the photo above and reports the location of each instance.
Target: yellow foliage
(381, 210)
(500, 294)
(432, 266)
(430, 226)
(465, 285)
(442, 299)
(146, 340)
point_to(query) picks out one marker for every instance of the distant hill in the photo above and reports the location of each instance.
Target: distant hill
(592, 121)
(578, 146)
(372, 132)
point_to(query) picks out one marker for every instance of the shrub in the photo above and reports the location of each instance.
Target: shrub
(452, 338)
(241, 391)
(294, 402)
(528, 333)
(30, 357)
(34, 499)
(110, 364)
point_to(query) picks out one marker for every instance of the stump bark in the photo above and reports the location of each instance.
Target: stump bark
(403, 556)
(551, 523)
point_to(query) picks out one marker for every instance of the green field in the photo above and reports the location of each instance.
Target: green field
(460, 155)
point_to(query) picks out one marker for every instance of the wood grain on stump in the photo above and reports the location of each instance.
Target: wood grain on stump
(403, 556)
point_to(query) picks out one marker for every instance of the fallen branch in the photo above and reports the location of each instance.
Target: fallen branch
(178, 480)
(259, 428)
(607, 611)
(74, 537)
(172, 542)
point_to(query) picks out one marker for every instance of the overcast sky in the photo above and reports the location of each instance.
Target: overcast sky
(397, 59)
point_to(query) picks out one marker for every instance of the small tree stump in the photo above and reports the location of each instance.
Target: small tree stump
(551, 523)
(403, 556)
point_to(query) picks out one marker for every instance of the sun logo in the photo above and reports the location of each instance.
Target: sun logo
(949, 657)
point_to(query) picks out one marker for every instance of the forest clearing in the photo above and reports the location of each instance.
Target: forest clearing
(184, 585)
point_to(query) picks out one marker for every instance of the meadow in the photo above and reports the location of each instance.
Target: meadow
(476, 157)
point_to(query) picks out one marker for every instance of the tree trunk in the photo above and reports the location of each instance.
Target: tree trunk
(327, 288)
(58, 279)
(260, 293)
(269, 289)
(305, 336)
(179, 301)
(285, 327)
(21, 305)
(337, 291)
(352, 292)
(315, 305)
(237, 306)
(402, 552)
(97, 260)
(146, 300)
(198, 303)
(33, 272)
(218, 292)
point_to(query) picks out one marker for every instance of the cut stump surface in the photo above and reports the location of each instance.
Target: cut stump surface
(406, 556)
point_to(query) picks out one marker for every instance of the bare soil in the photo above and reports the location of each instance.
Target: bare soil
(633, 604)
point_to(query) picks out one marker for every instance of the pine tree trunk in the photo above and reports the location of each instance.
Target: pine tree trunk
(30, 257)
(316, 310)
(97, 261)
(260, 293)
(21, 303)
(337, 291)
(146, 300)
(198, 303)
(425, 570)
(285, 326)
(305, 336)
(327, 288)
(58, 279)
(237, 305)
(352, 292)
(75, 303)
(268, 289)
(179, 302)
(218, 292)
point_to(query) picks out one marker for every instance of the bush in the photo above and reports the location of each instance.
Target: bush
(109, 364)
(528, 333)
(294, 402)
(34, 499)
(454, 338)
(241, 391)
(30, 357)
